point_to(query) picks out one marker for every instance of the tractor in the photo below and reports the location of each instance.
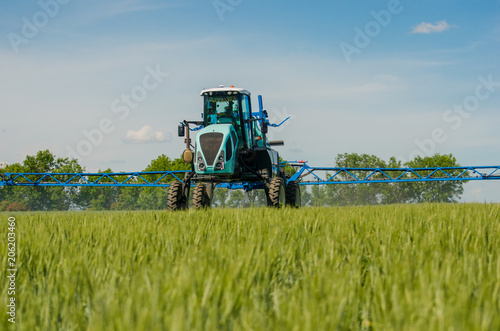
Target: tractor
(231, 150)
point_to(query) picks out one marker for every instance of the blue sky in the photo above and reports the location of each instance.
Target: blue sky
(67, 67)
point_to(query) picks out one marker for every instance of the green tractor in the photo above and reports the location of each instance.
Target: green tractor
(231, 151)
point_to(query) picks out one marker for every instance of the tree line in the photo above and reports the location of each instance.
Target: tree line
(387, 193)
(155, 198)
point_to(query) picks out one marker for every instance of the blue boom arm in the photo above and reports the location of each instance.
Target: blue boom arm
(130, 179)
(335, 175)
(305, 174)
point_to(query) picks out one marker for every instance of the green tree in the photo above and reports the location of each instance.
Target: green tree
(387, 193)
(356, 194)
(156, 197)
(256, 198)
(220, 197)
(144, 198)
(305, 193)
(163, 163)
(440, 191)
(395, 192)
(95, 197)
(317, 196)
(128, 199)
(153, 198)
(42, 198)
(236, 199)
(86, 197)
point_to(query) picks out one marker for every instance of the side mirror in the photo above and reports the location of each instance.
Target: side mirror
(263, 127)
(180, 130)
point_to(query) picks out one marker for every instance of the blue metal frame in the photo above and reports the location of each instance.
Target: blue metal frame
(389, 175)
(122, 179)
(319, 176)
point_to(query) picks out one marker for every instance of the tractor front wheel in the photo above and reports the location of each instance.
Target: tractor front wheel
(201, 198)
(293, 198)
(175, 199)
(276, 196)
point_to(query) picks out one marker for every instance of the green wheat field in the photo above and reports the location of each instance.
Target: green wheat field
(398, 267)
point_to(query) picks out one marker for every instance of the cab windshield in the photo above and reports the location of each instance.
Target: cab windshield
(223, 109)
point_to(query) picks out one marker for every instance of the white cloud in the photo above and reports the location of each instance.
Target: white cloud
(3, 164)
(427, 28)
(146, 134)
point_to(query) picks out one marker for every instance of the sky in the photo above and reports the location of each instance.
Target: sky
(107, 82)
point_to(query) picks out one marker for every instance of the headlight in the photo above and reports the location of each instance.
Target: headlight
(220, 161)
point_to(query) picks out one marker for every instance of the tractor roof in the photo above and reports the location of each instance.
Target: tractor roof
(222, 88)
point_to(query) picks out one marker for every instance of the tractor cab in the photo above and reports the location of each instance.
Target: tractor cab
(229, 106)
(227, 130)
(230, 145)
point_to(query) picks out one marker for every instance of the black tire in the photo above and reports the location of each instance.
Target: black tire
(175, 200)
(293, 198)
(200, 197)
(277, 196)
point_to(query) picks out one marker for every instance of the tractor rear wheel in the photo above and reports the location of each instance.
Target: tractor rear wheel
(293, 198)
(276, 196)
(200, 197)
(175, 200)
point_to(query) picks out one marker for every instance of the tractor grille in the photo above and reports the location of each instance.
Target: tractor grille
(210, 145)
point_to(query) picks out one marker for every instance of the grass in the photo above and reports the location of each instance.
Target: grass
(401, 267)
